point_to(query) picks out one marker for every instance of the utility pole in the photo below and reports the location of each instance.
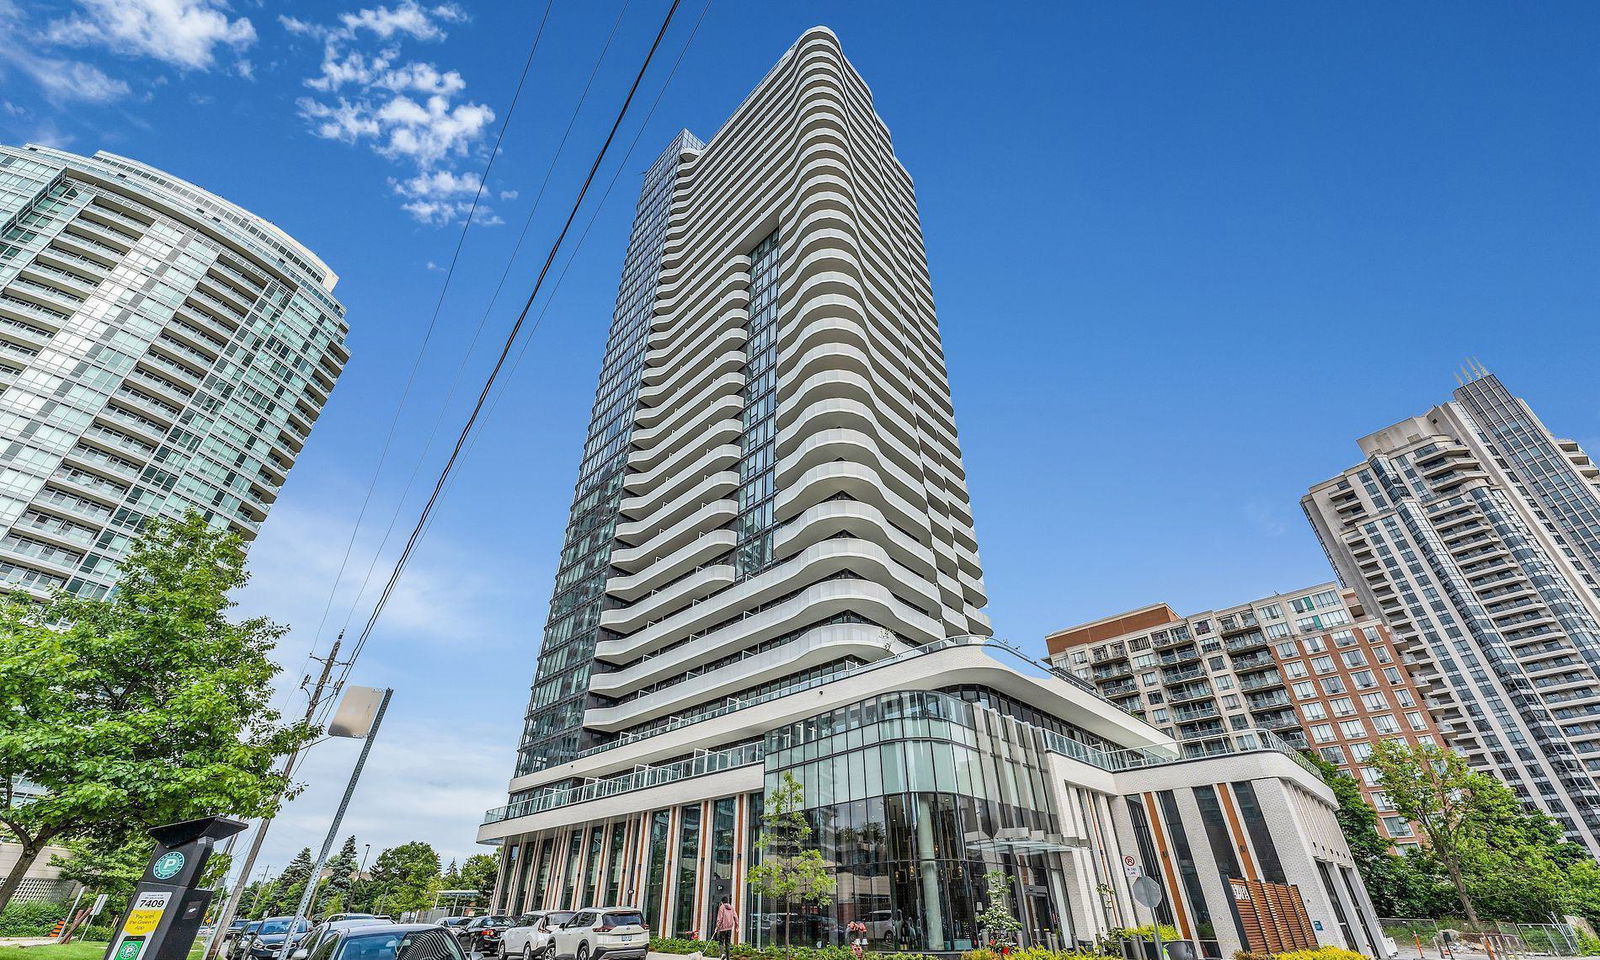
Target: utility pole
(317, 693)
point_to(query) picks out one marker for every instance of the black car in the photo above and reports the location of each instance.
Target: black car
(266, 941)
(388, 941)
(327, 928)
(482, 933)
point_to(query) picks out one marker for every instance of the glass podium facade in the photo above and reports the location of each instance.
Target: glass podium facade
(914, 797)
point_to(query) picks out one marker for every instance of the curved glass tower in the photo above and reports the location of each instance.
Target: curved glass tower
(161, 351)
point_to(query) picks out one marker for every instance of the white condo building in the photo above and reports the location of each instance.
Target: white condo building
(1475, 533)
(161, 351)
(771, 568)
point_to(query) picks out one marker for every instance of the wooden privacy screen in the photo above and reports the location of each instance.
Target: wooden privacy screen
(1273, 915)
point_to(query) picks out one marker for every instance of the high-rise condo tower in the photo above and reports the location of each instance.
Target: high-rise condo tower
(770, 571)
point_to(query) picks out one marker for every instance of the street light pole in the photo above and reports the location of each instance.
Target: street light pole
(338, 817)
(226, 917)
(366, 849)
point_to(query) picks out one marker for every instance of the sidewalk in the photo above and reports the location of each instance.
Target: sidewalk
(26, 941)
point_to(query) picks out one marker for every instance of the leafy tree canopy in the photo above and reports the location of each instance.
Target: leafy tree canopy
(145, 707)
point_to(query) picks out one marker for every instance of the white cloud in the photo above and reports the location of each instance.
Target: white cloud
(508, 194)
(65, 81)
(453, 643)
(184, 33)
(408, 18)
(408, 111)
(442, 197)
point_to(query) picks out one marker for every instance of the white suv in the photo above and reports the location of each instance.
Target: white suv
(601, 933)
(530, 938)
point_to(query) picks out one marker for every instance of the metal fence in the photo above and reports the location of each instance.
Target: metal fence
(1452, 939)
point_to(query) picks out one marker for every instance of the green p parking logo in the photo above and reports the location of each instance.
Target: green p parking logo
(168, 865)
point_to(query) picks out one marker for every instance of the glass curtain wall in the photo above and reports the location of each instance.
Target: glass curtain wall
(688, 872)
(552, 729)
(753, 553)
(914, 797)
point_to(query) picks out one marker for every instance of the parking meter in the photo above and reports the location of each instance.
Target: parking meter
(166, 909)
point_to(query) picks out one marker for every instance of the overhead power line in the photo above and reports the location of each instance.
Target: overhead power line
(494, 402)
(494, 299)
(506, 348)
(433, 321)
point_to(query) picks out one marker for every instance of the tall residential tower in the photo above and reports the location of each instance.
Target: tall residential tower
(161, 351)
(770, 570)
(1475, 533)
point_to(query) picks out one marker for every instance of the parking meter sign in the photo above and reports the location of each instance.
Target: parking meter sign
(146, 914)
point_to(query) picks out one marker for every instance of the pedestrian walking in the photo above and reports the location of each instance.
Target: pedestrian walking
(727, 919)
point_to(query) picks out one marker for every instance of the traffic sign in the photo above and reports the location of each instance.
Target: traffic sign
(1147, 892)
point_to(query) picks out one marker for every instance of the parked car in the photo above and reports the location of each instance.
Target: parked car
(266, 941)
(328, 928)
(388, 941)
(529, 939)
(482, 933)
(336, 917)
(239, 944)
(454, 921)
(593, 933)
(234, 928)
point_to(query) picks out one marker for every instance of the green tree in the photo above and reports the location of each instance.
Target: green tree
(407, 875)
(288, 886)
(1497, 855)
(339, 875)
(142, 708)
(1437, 791)
(996, 918)
(480, 872)
(791, 870)
(1409, 885)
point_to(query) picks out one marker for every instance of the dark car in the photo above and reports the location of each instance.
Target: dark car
(327, 928)
(483, 933)
(389, 941)
(266, 942)
(239, 943)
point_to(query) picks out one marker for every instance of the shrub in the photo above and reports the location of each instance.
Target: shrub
(1146, 933)
(681, 945)
(1320, 953)
(30, 918)
(1043, 953)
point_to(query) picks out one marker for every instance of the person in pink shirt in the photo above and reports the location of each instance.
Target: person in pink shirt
(727, 919)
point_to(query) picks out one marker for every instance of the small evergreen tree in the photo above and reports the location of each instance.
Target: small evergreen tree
(791, 871)
(288, 887)
(338, 876)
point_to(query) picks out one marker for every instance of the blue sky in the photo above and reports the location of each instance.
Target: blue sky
(1184, 255)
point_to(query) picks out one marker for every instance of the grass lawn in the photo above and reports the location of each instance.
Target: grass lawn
(70, 951)
(77, 950)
